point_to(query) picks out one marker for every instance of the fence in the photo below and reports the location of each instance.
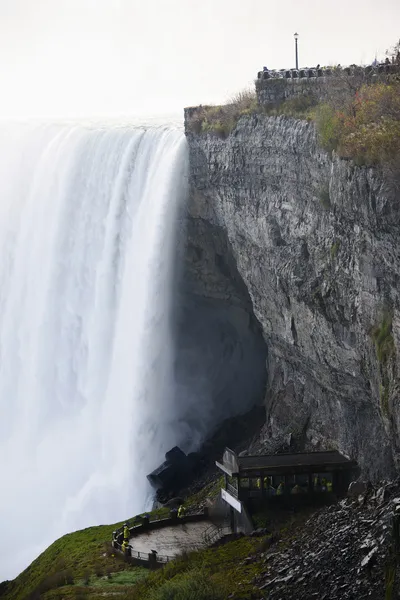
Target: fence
(380, 69)
(146, 523)
(212, 534)
(151, 560)
(232, 490)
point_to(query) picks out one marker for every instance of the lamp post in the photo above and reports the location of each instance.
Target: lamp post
(296, 37)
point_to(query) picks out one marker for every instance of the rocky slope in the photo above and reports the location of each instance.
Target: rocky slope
(345, 551)
(307, 245)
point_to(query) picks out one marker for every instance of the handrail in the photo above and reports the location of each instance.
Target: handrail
(152, 558)
(217, 534)
(144, 556)
(140, 520)
(232, 490)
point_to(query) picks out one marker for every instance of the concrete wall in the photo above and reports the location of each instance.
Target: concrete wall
(273, 87)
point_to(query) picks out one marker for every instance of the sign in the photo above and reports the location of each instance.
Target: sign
(231, 500)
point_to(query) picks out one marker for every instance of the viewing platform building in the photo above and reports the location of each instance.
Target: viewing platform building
(283, 479)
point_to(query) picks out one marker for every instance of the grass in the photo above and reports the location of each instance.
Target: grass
(224, 567)
(209, 491)
(221, 120)
(72, 558)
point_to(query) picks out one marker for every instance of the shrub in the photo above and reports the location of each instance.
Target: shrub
(299, 106)
(328, 127)
(220, 120)
(195, 585)
(366, 129)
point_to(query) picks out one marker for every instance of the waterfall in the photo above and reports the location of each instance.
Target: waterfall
(88, 225)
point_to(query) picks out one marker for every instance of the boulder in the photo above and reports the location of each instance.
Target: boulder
(356, 489)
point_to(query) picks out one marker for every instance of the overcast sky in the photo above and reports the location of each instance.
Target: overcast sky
(114, 57)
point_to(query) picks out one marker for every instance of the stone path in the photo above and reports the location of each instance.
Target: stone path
(172, 540)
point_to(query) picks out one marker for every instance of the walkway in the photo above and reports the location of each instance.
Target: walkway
(172, 540)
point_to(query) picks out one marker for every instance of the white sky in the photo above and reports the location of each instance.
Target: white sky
(131, 57)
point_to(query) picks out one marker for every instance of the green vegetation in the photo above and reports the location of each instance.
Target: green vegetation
(385, 351)
(195, 585)
(383, 338)
(327, 126)
(209, 491)
(365, 127)
(299, 107)
(74, 558)
(223, 568)
(334, 249)
(220, 120)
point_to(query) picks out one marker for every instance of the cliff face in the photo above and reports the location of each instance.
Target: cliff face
(314, 243)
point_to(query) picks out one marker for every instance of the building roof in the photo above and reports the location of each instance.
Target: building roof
(291, 460)
(281, 463)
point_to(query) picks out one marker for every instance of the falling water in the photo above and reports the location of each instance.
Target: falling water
(87, 237)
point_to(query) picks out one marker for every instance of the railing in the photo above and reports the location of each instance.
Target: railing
(146, 558)
(212, 534)
(328, 72)
(232, 490)
(152, 559)
(138, 522)
(138, 555)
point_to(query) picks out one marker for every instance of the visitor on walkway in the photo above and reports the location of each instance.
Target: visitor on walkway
(126, 532)
(181, 511)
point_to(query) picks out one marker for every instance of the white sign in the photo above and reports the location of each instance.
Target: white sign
(231, 500)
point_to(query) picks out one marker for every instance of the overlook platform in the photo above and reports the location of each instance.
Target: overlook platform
(174, 539)
(155, 541)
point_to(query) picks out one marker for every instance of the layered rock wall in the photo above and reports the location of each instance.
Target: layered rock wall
(315, 242)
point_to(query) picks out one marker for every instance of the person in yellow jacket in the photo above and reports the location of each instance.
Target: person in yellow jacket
(181, 511)
(329, 486)
(281, 489)
(127, 534)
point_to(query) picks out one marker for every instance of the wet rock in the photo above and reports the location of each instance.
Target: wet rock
(259, 532)
(341, 552)
(356, 489)
(174, 502)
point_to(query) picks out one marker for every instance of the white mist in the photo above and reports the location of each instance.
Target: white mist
(88, 219)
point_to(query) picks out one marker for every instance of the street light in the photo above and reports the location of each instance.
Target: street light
(296, 37)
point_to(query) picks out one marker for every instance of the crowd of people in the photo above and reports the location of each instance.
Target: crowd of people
(320, 484)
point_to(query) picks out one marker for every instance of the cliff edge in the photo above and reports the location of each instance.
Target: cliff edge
(314, 240)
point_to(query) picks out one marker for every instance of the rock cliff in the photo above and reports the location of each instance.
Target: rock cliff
(307, 247)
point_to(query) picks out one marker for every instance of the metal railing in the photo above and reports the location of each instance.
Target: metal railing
(232, 490)
(212, 534)
(139, 521)
(145, 557)
(141, 524)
